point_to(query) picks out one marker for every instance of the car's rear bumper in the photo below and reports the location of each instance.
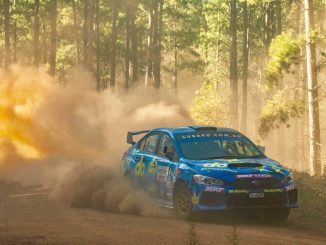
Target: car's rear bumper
(242, 199)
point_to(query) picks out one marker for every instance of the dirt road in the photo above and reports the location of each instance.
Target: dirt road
(34, 219)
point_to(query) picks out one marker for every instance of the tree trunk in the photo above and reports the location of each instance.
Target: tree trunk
(298, 157)
(127, 46)
(53, 45)
(75, 31)
(233, 66)
(85, 34)
(134, 42)
(90, 34)
(158, 16)
(44, 38)
(37, 33)
(14, 56)
(245, 58)
(267, 26)
(312, 85)
(7, 32)
(175, 67)
(98, 75)
(149, 67)
(278, 16)
(115, 13)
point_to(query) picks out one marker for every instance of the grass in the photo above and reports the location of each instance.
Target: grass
(312, 202)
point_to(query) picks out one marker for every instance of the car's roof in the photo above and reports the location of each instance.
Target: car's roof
(195, 129)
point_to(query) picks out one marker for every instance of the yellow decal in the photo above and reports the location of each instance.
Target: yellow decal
(152, 188)
(238, 191)
(232, 160)
(195, 199)
(278, 169)
(273, 190)
(152, 166)
(140, 167)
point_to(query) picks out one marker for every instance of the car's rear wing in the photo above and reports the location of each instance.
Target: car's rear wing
(132, 133)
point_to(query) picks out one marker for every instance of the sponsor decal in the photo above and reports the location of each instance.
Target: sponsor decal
(209, 135)
(177, 171)
(290, 187)
(272, 190)
(215, 165)
(248, 176)
(169, 195)
(195, 199)
(214, 189)
(152, 166)
(162, 173)
(140, 167)
(218, 169)
(238, 191)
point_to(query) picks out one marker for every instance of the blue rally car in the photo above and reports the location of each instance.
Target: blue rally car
(195, 168)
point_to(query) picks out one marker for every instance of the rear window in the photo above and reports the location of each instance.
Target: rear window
(150, 143)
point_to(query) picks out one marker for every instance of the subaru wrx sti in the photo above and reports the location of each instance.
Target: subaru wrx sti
(193, 169)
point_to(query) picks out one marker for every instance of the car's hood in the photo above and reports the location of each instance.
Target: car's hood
(229, 169)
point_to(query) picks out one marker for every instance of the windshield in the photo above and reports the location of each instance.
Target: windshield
(202, 148)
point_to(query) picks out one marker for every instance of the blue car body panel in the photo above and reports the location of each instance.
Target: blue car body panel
(244, 179)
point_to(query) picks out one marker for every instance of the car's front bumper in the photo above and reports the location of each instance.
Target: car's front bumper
(221, 199)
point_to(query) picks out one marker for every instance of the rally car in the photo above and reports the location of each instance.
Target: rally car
(198, 168)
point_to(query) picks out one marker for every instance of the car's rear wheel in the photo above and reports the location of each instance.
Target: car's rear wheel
(182, 201)
(276, 215)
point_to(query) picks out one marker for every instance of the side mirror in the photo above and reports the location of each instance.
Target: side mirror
(165, 149)
(168, 154)
(261, 148)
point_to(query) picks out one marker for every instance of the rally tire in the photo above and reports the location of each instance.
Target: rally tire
(182, 201)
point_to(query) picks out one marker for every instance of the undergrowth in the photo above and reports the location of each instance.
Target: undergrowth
(312, 201)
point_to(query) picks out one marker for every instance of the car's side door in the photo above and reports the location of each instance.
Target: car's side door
(167, 158)
(146, 152)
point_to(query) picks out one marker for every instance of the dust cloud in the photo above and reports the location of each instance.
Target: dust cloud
(97, 187)
(70, 138)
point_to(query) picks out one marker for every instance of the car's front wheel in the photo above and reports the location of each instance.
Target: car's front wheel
(276, 215)
(182, 201)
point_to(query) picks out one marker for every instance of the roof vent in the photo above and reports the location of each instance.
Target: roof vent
(244, 165)
(203, 128)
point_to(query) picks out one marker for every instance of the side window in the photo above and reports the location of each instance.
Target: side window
(151, 143)
(166, 148)
(142, 143)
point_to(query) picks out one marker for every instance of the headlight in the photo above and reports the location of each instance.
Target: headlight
(288, 179)
(200, 179)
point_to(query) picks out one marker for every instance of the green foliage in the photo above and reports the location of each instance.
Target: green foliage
(284, 52)
(278, 110)
(210, 103)
(312, 201)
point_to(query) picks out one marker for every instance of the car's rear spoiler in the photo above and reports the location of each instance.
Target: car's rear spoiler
(132, 133)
